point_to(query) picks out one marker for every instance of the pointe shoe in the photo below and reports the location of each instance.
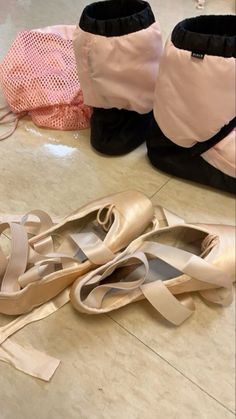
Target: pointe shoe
(173, 260)
(39, 268)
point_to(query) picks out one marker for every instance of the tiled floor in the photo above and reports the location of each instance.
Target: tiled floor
(131, 363)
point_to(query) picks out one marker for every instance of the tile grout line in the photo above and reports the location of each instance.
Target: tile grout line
(161, 187)
(175, 368)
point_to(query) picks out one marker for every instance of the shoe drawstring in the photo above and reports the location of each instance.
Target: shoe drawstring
(208, 244)
(4, 114)
(105, 217)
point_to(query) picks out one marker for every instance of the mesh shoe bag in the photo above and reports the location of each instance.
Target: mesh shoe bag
(38, 76)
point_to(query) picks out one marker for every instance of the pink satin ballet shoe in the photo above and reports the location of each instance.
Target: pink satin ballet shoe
(39, 268)
(160, 265)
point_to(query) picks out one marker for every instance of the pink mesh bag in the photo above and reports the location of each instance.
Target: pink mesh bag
(39, 77)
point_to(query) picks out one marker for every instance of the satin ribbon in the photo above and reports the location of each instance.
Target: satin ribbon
(29, 360)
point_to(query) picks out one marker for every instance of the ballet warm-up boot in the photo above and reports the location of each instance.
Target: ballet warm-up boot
(117, 47)
(193, 129)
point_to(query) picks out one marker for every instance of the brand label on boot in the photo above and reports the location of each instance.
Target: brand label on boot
(197, 55)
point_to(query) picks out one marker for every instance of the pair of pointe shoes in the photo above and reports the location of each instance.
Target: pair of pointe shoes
(101, 251)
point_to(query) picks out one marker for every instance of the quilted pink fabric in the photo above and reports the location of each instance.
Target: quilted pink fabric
(39, 77)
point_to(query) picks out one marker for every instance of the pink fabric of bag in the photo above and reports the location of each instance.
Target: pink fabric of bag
(187, 112)
(39, 77)
(106, 68)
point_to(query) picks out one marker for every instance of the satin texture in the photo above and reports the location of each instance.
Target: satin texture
(172, 260)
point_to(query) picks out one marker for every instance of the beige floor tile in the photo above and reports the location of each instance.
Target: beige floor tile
(203, 348)
(186, 8)
(59, 171)
(197, 203)
(105, 374)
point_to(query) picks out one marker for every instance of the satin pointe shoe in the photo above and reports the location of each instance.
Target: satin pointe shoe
(162, 266)
(40, 267)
